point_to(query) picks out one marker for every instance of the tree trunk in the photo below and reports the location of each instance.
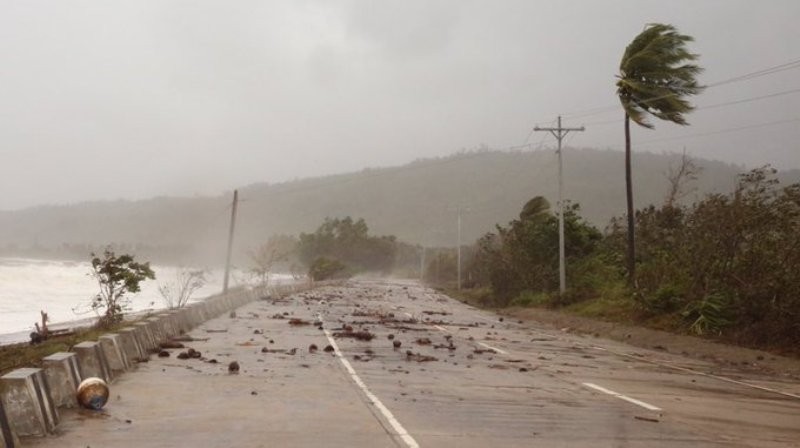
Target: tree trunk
(629, 197)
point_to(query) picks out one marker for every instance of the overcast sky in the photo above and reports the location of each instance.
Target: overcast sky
(111, 99)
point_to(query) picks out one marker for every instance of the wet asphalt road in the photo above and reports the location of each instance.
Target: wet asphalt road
(460, 378)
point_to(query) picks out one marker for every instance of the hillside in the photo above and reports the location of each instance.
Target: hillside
(416, 202)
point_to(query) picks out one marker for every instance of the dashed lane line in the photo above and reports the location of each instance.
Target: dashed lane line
(647, 406)
(697, 372)
(498, 350)
(400, 431)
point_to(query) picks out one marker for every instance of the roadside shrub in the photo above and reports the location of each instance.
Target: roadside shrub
(325, 268)
(531, 299)
(666, 299)
(708, 316)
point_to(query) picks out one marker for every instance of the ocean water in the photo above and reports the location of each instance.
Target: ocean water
(64, 289)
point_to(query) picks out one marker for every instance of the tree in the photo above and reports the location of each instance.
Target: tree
(277, 249)
(116, 276)
(656, 77)
(349, 242)
(177, 293)
(686, 172)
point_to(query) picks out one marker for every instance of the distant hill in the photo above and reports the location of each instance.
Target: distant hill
(416, 202)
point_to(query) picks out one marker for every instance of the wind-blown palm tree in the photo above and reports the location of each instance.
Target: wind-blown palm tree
(656, 75)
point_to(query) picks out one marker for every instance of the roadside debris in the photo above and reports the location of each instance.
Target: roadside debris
(418, 357)
(233, 367)
(359, 335)
(296, 321)
(328, 349)
(646, 419)
(312, 348)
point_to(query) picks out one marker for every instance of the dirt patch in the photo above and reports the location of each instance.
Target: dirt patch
(694, 347)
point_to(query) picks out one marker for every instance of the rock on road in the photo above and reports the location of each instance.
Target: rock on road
(460, 377)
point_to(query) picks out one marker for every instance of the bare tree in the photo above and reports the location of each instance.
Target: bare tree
(177, 292)
(264, 257)
(679, 177)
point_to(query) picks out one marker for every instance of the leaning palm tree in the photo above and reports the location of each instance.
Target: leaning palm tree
(656, 76)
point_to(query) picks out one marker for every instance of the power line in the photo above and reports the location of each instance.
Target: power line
(748, 100)
(711, 106)
(791, 65)
(759, 73)
(722, 131)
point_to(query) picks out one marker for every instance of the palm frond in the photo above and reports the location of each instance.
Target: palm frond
(657, 74)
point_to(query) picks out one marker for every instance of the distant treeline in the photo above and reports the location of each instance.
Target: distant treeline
(414, 202)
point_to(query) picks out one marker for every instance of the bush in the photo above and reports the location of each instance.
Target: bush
(325, 268)
(531, 299)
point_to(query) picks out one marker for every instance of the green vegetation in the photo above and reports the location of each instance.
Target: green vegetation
(28, 355)
(116, 276)
(339, 248)
(656, 75)
(727, 266)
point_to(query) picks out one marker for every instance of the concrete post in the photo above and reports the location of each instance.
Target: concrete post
(91, 360)
(111, 345)
(145, 336)
(130, 345)
(7, 437)
(27, 401)
(156, 330)
(63, 376)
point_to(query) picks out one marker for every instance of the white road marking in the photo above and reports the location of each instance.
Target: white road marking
(647, 406)
(387, 414)
(498, 350)
(409, 315)
(502, 352)
(696, 372)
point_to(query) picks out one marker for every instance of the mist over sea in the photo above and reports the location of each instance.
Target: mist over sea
(64, 290)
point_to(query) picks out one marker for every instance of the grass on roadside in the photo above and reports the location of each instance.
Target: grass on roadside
(15, 356)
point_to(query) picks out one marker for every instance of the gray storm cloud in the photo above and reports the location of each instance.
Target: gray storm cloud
(105, 100)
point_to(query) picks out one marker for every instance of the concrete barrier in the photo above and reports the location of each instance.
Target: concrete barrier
(111, 344)
(7, 437)
(28, 404)
(156, 330)
(29, 397)
(145, 336)
(130, 345)
(63, 376)
(91, 360)
(169, 323)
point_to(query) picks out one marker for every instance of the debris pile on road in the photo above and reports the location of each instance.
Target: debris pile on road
(362, 335)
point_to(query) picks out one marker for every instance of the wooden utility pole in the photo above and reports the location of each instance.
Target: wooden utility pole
(230, 241)
(559, 133)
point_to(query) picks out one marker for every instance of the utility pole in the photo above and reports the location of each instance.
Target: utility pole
(422, 265)
(230, 241)
(559, 133)
(460, 210)
(459, 248)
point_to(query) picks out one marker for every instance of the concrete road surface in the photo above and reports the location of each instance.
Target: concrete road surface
(460, 378)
